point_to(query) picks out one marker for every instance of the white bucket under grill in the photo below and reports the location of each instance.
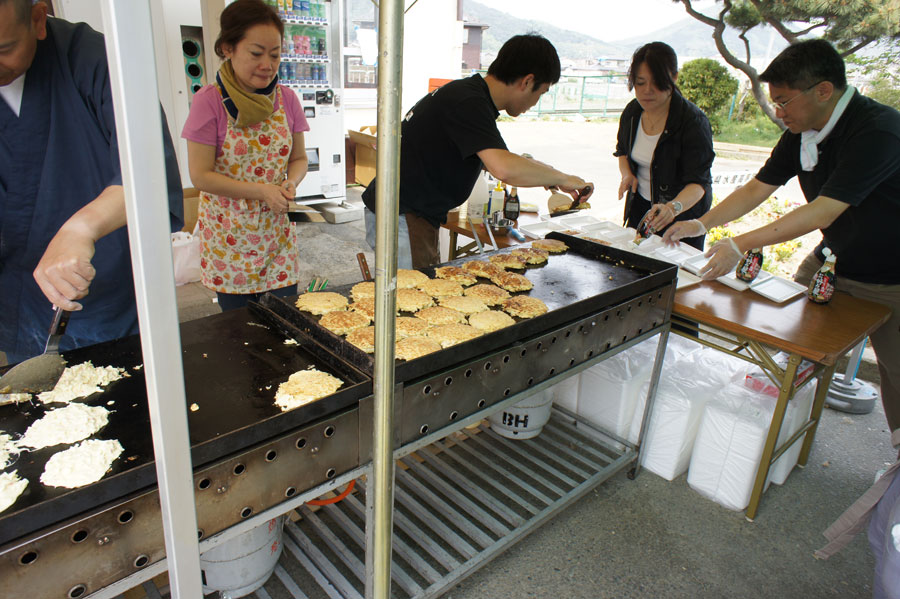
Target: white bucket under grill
(525, 419)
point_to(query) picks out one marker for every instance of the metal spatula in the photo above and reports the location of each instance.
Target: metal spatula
(40, 373)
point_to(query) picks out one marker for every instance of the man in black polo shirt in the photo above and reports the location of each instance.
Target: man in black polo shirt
(845, 150)
(451, 134)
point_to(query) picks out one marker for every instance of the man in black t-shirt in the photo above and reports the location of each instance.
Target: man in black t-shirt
(451, 134)
(845, 150)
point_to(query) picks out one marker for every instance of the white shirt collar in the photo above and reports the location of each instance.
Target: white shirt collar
(12, 93)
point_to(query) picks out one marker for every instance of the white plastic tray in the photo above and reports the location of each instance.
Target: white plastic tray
(694, 263)
(578, 221)
(778, 289)
(677, 254)
(609, 232)
(686, 279)
(539, 230)
(602, 225)
(735, 283)
(648, 246)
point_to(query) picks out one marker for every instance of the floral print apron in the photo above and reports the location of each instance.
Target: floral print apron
(245, 248)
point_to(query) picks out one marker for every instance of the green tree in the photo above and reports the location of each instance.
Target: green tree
(881, 73)
(707, 84)
(849, 24)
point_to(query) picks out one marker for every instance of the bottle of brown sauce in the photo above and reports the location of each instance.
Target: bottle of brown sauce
(511, 206)
(750, 265)
(821, 286)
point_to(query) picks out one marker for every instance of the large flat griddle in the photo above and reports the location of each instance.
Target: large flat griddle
(233, 364)
(586, 279)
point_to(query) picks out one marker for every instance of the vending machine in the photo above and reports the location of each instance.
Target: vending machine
(311, 67)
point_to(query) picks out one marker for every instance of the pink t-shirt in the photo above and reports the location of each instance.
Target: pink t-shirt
(207, 121)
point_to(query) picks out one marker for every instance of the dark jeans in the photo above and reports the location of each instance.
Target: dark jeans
(233, 301)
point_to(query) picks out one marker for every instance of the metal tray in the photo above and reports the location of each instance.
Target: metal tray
(233, 364)
(583, 280)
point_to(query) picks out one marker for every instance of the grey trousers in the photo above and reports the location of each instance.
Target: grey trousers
(885, 341)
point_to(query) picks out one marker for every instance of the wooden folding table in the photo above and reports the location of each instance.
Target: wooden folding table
(746, 325)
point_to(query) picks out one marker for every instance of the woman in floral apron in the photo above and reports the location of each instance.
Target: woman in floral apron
(247, 155)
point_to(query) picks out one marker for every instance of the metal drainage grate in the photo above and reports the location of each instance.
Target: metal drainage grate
(458, 503)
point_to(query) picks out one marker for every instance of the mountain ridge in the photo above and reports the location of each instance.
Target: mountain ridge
(689, 38)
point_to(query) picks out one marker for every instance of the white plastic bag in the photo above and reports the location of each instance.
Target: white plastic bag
(186, 254)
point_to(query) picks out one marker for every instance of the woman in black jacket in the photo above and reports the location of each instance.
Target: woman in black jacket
(664, 146)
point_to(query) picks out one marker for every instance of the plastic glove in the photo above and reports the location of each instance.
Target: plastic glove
(723, 258)
(660, 215)
(682, 229)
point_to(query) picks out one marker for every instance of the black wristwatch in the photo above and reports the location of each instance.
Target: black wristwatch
(676, 207)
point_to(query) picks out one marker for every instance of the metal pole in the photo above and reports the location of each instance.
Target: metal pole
(390, 73)
(129, 45)
(581, 103)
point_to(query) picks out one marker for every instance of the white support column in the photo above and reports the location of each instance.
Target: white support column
(129, 46)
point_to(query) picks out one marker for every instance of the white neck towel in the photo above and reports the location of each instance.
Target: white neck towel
(809, 140)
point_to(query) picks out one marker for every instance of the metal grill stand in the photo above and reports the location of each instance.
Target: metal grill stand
(463, 495)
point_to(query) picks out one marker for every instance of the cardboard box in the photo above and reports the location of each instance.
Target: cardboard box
(191, 205)
(365, 140)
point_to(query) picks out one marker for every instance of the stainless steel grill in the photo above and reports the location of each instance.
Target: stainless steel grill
(455, 509)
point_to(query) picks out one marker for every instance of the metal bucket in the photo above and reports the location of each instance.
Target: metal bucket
(242, 565)
(525, 419)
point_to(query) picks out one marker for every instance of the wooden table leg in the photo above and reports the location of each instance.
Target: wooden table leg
(765, 461)
(818, 405)
(452, 251)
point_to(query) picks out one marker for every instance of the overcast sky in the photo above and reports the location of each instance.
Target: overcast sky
(609, 20)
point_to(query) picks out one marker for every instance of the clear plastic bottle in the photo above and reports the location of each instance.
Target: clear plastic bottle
(496, 200)
(478, 198)
(821, 286)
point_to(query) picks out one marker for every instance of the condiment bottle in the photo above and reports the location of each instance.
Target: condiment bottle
(511, 207)
(496, 201)
(644, 230)
(750, 265)
(821, 287)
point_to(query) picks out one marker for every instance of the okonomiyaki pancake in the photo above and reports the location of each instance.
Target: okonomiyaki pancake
(363, 338)
(482, 269)
(524, 306)
(415, 347)
(321, 302)
(554, 246)
(532, 255)
(410, 326)
(455, 273)
(508, 261)
(413, 300)
(438, 288)
(342, 322)
(366, 305)
(410, 279)
(489, 294)
(511, 281)
(449, 335)
(491, 320)
(361, 290)
(440, 315)
(465, 304)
